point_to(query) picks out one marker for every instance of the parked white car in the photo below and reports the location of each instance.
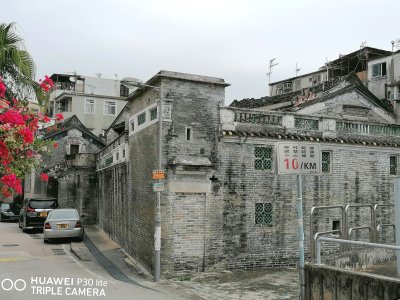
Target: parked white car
(63, 223)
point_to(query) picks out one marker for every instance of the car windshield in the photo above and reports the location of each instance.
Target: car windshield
(5, 206)
(63, 215)
(43, 204)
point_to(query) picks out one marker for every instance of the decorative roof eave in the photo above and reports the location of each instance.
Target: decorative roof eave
(341, 139)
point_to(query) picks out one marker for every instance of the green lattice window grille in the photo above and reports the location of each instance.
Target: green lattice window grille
(308, 124)
(263, 213)
(141, 118)
(263, 158)
(393, 165)
(326, 161)
(153, 114)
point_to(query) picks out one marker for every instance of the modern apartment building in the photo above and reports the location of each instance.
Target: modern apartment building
(356, 61)
(95, 101)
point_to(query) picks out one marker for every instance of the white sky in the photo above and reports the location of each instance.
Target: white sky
(230, 39)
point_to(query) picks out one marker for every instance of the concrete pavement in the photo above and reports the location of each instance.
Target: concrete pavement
(270, 284)
(31, 269)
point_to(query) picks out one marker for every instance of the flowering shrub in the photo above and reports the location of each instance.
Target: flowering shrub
(19, 148)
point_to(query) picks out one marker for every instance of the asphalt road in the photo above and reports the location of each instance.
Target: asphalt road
(30, 269)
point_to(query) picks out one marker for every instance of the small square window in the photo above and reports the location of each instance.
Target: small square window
(141, 118)
(393, 165)
(379, 70)
(335, 225)
(89, 107)
(326, 161)
(263, 213)
(263, 158)
(123, 91)
(153, 114)
(110, 108)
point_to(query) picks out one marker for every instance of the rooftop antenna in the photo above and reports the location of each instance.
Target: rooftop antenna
(363, 45)
(98, 75)
(272, 64)
(297, 69)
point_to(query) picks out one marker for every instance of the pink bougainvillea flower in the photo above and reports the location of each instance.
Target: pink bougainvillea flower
(26, 134)
(46, 84)
(12, 117)
(59, 117)
(44, 177)
(55, 145)
(46, 119)
(2, 89)
(12, 181)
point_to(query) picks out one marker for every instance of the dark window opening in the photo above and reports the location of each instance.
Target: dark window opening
(336, 225)
(78, 181)
(123, 91)
(74, 149)
(188, 134)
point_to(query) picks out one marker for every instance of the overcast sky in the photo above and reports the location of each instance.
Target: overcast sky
(230, 39)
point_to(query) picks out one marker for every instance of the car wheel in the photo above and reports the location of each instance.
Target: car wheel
(46, 241)
(1, 217)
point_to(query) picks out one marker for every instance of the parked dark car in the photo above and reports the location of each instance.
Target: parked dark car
(35, 211)
(9, 211)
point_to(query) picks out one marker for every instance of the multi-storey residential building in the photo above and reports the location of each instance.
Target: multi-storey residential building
(384, 77)
(356, 61)
(95, 101)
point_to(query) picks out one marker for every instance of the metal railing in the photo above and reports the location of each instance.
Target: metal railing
(346, 231)
(314, 236)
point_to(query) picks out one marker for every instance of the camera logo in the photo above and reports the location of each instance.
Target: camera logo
(9, 284)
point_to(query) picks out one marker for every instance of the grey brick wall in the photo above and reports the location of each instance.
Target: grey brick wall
(113, 204)
(359, 175)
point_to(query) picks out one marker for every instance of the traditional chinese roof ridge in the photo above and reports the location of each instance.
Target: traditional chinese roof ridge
(70, 123)
(351, 82)
(342, 138)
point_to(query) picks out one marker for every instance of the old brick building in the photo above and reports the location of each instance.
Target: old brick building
(224, 205)
(71, 167)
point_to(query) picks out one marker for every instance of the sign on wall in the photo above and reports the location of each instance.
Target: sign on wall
(299, 158)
